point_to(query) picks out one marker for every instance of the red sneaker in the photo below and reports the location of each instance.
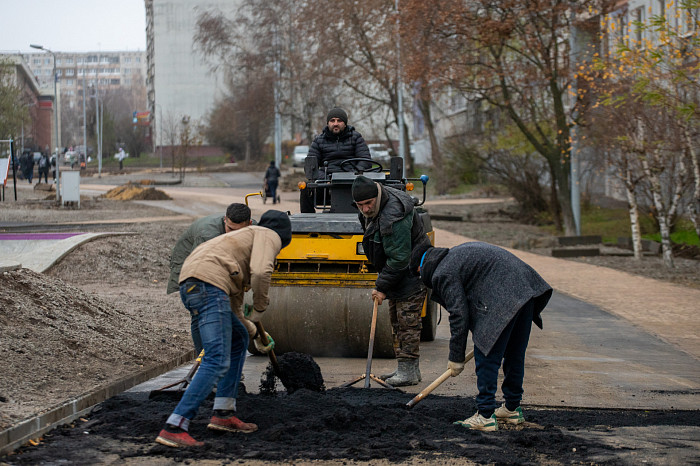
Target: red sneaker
(181, 439)
(231, 424)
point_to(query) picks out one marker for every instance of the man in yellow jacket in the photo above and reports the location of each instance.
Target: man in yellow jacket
(213, 281)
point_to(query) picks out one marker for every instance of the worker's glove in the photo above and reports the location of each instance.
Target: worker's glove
(455, 368)
(262, 348)
(251, 313)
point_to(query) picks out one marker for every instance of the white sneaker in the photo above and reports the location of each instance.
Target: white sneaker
(511, 417)
(479, 422)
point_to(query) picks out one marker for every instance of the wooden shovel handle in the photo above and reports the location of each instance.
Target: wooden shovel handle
(271, 353)
(426, 391)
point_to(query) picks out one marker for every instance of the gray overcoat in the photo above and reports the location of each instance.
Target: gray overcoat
(482, 287)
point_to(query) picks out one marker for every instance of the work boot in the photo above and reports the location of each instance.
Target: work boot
(389, 375)
(406, 374)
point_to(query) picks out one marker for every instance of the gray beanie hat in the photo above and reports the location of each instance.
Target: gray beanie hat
(337, 112)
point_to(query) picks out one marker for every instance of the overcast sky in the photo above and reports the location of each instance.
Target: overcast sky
(72, 25)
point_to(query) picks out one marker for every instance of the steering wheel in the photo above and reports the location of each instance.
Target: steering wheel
(374, 167)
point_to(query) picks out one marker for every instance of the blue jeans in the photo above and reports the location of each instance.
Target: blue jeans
(225, 341)
(509, 348)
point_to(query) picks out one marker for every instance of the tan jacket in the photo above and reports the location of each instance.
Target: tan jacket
(236, 261)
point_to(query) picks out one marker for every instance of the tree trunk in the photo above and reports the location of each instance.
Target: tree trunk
(695, 203)
(438, 163)
(634, 214)
(661, 212)
(556, 211)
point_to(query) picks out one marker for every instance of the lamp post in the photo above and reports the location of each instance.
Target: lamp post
(55, 114)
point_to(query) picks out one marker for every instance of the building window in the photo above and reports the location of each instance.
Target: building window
(70, 72)
(81, 60)
(91, 58)
(59, 72)
(81, 72)
(127, 59)
(126, 71)
(48, 72)
(36, 61)
(47, 61)
(69, 61)
(114, 81)
(138, 59)
(58, 61)
(69, 82)
(638, 18)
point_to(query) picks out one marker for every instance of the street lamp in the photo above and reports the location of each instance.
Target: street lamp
(55, 114)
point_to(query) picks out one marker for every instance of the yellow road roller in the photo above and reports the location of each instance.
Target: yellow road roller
(320, 299)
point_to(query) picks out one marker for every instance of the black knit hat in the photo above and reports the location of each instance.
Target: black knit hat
(363, 188)
(417, 255)
(433, 256)
(279, 223)
(337, 112)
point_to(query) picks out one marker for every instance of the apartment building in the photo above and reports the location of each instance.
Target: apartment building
(104, 70)
(179, 82)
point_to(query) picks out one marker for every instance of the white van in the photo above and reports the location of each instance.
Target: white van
(299, 155)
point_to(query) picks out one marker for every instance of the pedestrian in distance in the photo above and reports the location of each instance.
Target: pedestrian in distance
(121, 155)
(490, 292)
(392, 230)
(337, 142)
(212, 283)
(237, 216)
(272, 177)
(44, 164)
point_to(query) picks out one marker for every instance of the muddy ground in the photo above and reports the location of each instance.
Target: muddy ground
(356, 425)
(103, 308)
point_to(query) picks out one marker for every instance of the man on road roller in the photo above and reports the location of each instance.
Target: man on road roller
(236, 217)
(213, 281)
(336, 143)
(392, 230)
(489, 291)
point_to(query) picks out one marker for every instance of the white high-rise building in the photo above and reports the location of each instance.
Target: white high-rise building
(180, 84)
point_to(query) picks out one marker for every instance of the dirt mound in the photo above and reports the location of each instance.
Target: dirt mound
(59, 341)
(348, 425)
(136, 192)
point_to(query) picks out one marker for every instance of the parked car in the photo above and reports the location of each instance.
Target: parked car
(70, 157)
(299, 155)
(380, 153)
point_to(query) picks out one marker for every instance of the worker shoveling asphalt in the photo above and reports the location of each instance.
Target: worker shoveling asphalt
(295, 371)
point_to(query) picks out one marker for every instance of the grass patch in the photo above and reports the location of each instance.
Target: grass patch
(613, 223)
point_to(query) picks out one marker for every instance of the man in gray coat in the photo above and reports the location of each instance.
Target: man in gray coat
(496, 296)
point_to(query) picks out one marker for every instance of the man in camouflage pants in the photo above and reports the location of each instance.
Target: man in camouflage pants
(392, 229)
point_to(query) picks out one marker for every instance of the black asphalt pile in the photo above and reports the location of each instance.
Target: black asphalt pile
(298, 371)
(344, 425)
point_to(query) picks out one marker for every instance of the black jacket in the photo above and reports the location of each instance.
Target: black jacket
(388, 241)
(327, 147)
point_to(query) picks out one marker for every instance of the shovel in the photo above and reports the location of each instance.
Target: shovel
(185, 382)
(271, 353)
(426, 391)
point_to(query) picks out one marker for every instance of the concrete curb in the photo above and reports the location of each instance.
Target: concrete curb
(34, 427)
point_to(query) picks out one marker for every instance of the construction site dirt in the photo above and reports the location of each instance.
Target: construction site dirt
(372, 426)
(102, 312)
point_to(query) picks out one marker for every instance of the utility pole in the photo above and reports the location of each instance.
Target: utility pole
(84, 122)
(399, 85)
(55, 114)
(278, 121)
(574, 54)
